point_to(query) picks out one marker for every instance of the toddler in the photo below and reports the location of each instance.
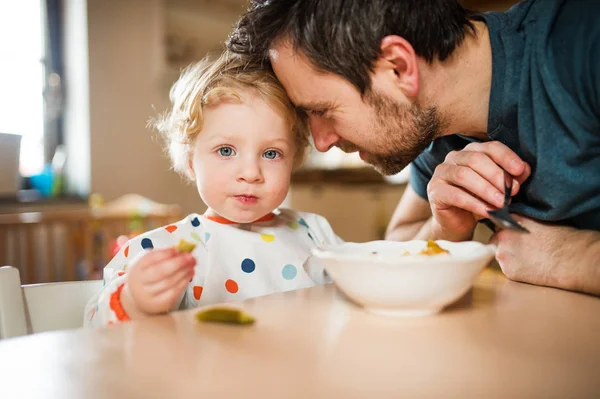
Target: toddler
(233, 131)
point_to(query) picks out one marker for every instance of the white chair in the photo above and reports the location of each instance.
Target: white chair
(28, 309)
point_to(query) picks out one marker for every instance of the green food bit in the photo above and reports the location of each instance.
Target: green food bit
(225, 315)
(185, 246)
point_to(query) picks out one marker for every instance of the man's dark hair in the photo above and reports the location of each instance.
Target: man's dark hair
(344, 36)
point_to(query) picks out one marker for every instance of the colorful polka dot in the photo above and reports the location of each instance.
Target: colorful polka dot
(267, 237)
(293, 225)
(171, 228)
(289, 272)
(206, 236)
(147, 243)
(311, 237)
(303, 222)
(195, 222)
(197, 292)
(196, 237)
(127, 251)
(248, 265)
(120, 273)
(231, 286)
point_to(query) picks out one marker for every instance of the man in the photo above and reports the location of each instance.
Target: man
(464, 96)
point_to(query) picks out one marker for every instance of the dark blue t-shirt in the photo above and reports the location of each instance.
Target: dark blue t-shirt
(545, 106)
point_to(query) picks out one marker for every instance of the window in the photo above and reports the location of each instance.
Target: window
(23, 72)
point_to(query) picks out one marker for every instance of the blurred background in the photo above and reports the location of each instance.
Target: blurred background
(79, 169)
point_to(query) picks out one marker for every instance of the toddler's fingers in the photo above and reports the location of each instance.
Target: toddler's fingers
(169, 282)
(168, 297)
(148, 258)
(164, 270)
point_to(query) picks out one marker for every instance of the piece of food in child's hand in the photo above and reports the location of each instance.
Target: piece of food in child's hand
(224, 315)
(433, 248)
(185, 246)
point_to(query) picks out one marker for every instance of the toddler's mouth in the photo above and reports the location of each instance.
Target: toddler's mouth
(246, 199)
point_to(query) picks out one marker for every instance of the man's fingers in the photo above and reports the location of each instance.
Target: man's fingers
(523, 176)
(479, 162)
(501, 155)
(480, 158)
(447, 196)
(471, 181)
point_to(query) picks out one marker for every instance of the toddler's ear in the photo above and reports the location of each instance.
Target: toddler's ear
(190, 171)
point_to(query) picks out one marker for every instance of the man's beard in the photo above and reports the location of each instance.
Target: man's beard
(405, 130)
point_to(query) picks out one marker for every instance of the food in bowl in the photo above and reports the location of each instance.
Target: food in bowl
(433, 248)
(405, 278)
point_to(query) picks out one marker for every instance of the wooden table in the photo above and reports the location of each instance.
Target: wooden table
(503, 340)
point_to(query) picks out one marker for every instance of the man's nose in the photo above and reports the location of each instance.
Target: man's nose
(323, 134)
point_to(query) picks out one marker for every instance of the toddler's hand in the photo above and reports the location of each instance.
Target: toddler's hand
(156, 280)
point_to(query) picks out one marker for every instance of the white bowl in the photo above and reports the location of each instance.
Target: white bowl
(381, 277)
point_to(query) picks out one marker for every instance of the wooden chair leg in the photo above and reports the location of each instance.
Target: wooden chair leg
(3, 248)
(30, 250)
(88, 245)
(70, 263)
(19, 249)
(49, 261)
(105, 245)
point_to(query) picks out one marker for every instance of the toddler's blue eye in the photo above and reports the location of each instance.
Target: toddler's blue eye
(271, 154)
(226, 151)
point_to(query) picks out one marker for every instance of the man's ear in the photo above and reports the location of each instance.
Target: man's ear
(398, 57)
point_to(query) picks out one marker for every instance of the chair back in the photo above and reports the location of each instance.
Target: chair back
(28, 309)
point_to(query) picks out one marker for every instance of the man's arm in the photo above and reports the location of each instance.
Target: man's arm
(554, 256)
(411, 218)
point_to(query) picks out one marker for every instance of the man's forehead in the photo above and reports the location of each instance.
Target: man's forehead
(283, 50)
(302, 81)
(273, 55)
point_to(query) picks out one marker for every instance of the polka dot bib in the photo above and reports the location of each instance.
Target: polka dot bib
(234, 261)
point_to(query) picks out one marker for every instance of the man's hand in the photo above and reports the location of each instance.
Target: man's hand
(156, 280)
(468, 184)
(554, 256)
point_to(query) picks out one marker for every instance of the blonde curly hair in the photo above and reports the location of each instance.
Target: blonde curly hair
(207, 83)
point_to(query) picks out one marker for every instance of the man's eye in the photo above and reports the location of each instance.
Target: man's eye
(317, 112)
(226, 151)
(271, 154)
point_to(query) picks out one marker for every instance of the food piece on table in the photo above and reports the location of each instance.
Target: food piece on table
(224, 315)
(185, 246)
(433, 248)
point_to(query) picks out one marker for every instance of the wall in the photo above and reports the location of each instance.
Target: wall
(116, 79)
(356, 213)
(127, 85)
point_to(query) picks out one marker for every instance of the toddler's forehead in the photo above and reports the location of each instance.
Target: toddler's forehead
(248, 115)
